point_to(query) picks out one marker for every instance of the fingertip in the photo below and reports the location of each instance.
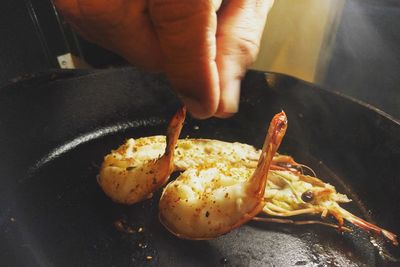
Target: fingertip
(229, 97)
(197, 85)
(197, 108)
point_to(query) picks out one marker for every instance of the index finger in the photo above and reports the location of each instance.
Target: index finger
(186, 31)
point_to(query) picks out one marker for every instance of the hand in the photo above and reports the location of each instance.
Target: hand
(204, 46)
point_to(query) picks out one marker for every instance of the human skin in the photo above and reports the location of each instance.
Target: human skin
(203, 46)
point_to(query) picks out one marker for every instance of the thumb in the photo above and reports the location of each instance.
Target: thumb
(186, 32)
(240, 27)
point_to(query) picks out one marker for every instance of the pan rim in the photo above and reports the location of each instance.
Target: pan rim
(77, 74)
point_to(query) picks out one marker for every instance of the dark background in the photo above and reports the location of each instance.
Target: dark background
(365, 62)
(366, 55)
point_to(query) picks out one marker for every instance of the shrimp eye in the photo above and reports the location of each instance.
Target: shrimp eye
(307, 196)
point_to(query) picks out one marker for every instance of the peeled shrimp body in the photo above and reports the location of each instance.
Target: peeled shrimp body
(140, 166)
(190, 153)
(206, 203)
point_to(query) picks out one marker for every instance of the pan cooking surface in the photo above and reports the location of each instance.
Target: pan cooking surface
(55, 214)
(67, 213)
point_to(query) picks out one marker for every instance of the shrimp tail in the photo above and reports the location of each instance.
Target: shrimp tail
(368, 226)
(276, 132)
(174, 129)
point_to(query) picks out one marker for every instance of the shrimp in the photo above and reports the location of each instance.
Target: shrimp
(289, 193)
(209, 201)
(140, 166)
(129, 174)
(190, 153)
(136, 169)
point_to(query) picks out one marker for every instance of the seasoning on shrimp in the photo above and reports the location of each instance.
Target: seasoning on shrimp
(131, 174)
(206, 203)
(208, 165)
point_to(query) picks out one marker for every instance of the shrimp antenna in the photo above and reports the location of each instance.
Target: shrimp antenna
(302, 166)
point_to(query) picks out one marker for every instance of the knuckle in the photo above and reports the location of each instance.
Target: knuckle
(248, 49)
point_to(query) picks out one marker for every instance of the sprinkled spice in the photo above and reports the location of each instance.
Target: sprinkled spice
(207, 214)
(130, 168)
(122, 226)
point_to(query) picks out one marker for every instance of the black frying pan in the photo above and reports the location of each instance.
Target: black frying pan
(55, 129)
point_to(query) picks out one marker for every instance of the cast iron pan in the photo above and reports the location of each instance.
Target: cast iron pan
(55, 129)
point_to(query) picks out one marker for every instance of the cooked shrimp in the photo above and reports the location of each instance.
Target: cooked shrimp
(136, 169)
(190, 153)
(122, 170)
(209, 201)
(289, 193)
(131, 174)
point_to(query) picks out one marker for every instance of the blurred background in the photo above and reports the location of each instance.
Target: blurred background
(349, 46)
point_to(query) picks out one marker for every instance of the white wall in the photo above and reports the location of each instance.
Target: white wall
(298, 36)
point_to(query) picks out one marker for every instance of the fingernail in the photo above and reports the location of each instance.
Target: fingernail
(230, 95)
